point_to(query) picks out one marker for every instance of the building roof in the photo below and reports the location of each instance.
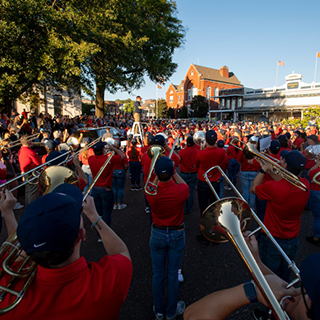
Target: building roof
(215, 75)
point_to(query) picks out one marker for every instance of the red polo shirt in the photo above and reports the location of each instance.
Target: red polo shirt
(79, 291)
(206, 159)
(28, 159)
(96, 162)
(285, 204)
(167, 206)
(187, 159)
(83, 159)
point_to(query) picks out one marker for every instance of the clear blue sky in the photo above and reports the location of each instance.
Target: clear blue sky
(248, 37)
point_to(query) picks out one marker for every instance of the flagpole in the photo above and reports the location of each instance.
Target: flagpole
(157, 101)
(315, 71)
(277, 73)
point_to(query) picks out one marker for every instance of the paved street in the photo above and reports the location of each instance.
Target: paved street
(205, 268)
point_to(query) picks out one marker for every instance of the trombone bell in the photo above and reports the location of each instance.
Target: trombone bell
(222, 213)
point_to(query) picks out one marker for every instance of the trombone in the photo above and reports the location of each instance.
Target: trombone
(277, 168)
(36, 176)
(26, 271)
(225, 220)
(16, 143)
(154, 152)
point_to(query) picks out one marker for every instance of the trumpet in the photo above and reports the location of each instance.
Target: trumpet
(277, 168)
(154, 152)
(225, 220)
(27, 269)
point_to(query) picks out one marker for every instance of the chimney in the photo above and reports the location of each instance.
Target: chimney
(224, 71)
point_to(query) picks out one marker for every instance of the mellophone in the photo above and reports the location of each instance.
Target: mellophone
(27, 269)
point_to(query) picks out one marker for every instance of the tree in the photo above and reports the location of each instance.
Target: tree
(312, 115)
(128, 105)
(40, 43)
(199, 106)
(170, 113)
(162, 108)
(183, 113)
(139, 39)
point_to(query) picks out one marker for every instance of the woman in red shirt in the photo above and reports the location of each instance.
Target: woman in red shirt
(134, 154)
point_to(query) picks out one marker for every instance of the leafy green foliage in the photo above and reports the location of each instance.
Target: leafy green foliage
(311, 114)
(162, 108)
(170, 113)
(128, 105)
(183, 113)
(199, 106)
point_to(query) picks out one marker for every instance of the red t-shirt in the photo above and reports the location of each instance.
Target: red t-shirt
(312, 173)
(285, 204)
(138, 154)
(206, 159)
(232, 152)
(187, 159)
(146, 163)
(96, 162)
(167, 206)
(28, 159)
(245, 165)
(79, 291)
(123, 165)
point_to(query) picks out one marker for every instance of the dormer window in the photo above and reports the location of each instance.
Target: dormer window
(192, 72)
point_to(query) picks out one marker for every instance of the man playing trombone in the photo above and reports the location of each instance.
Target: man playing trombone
(285, 204)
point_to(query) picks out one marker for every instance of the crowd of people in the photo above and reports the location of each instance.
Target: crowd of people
(171, 157)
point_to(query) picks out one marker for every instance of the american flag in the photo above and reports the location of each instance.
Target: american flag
(318, 54)
(280, 63)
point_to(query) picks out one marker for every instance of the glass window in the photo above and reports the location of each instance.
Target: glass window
(57, 104)
(208, 93)
(216, 93)
(192, 72)
(222, 103)
(239, 102)
(171, 99)
(171, 91)
(228, 103)
(233, 102)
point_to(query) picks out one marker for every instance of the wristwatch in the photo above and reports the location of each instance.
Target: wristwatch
(250, 291)
(262, 171)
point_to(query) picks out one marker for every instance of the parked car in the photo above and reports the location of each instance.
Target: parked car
(95, 133)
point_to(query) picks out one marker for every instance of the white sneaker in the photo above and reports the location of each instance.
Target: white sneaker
(18, 206)
(121, 206)
(115, 207)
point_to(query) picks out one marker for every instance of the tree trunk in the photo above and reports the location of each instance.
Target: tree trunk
(6, 106)
(99, 100)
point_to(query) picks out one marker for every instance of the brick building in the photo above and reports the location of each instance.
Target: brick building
(203, 81)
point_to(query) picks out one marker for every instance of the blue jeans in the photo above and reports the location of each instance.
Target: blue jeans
(191, 181)
(135, 170)
(271, 257)
(103, 201)
(118, 183)
(166, 254)
(221, 187)
(205, 195)
(314, 201)
(233, 170)
(87, 171)
(247, 178)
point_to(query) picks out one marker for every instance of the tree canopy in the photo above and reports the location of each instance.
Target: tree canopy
(108, 44)
(199, 106)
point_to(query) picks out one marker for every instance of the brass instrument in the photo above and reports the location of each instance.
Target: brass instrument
(27, 269)
(173, 146)
(199, 138)
(277, 168)
(154, 152)
(225, 220)
(312, 152)
(36, 171)
(17, 143)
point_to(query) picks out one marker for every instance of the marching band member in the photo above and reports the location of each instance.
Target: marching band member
(102, 192)
(167, 240)
(206, 159)
(188, 172)
(28, 159)
(282, 217)
(66, 286)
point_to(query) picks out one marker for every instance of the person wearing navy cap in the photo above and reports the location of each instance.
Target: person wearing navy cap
(102, 191)
(65, 286)
(167, 240)
(206, 159)
(285, 204)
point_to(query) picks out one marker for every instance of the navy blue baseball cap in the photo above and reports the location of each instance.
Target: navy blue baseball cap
(51, 222)
(295, 160)
(275, 146)
(220, 143)
(211, 137)
(283, 153)
(55, 154)
(310, 276)
(99, 145)
(164, 165)
(50, 144)
(160, 140)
